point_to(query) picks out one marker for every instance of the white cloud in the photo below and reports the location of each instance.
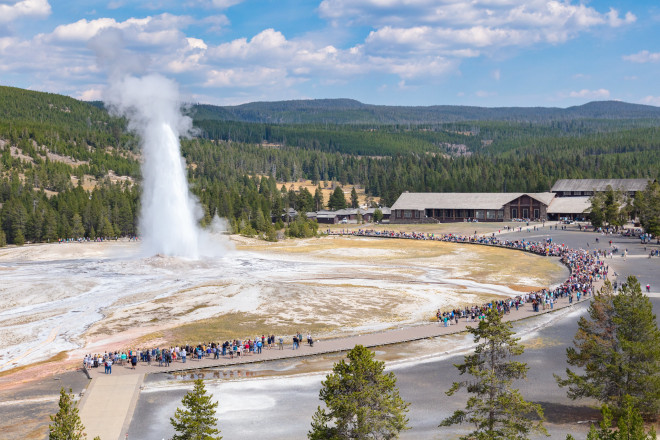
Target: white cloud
(630, 78)
(458, 13)
(25, 8)
(615, 21)
(427, 25)
(651, 100)
(484, 94)
(214, 4)
(115, 4)
(643, 56)
(581, 76)
(258, 77)
(417, 41)
(94, 94)
(590, 94)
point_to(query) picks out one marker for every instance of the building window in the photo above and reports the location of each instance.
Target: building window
(479, 213)
(536, 213)
(407, 213)
(500, 214)
(490, 215)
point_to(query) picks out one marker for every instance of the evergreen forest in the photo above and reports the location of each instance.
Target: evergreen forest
(69, 169)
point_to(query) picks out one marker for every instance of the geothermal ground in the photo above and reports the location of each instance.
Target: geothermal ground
(63, 300)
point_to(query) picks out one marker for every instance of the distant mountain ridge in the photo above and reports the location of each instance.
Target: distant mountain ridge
(347, 111)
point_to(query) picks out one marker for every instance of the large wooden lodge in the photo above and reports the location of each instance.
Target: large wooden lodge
(568, 198)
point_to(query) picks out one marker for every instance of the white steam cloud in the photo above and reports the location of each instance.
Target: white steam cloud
(170, 214)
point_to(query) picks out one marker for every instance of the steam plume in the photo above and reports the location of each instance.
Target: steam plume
(169, 213)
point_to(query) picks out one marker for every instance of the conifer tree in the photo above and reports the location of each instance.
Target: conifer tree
(318, 198)
(337, 199)
(354, 198)
(77, 229)
(362, 402)
(618, 351)
(495, 408)
(197, 420)
(66, 424)
(630, 425)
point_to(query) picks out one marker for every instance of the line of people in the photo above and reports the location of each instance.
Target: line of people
(210, 350)
(585, 268)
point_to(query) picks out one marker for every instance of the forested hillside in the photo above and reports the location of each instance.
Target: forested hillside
(68, 169)
(348, 111)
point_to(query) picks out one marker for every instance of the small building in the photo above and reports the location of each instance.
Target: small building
(324, 217)
(348, 215)
(569, 208)
(459, 207)
(587, 187)
(368, 214)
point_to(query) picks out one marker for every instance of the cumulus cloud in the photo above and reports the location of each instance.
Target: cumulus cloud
(484, 94)
(214, 4)
(416, 41)
(164, 29)
(643, 56)
(10, 11)
(153, 44)
(541, 15)
(94, 94)
(651, 100)
(453, 24)
(590, 94)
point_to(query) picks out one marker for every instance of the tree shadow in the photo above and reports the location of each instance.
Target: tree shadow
(559, 413)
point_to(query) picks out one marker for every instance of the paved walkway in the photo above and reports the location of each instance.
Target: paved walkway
(386, 337)
(108, 404)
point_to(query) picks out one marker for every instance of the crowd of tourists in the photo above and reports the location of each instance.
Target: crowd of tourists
(165, 356)
(586, 267)
(97, 239)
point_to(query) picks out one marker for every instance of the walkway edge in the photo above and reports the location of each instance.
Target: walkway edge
(131, 408)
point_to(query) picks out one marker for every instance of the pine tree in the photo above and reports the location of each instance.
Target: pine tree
(77, 229)
(497, 410)
(354, 198)
(318, 198)
(66, 424)
(618, 350)
(647, 204)
(107, 230)
(337, 199)
(362, 402)
(630, 425)
(197, 420)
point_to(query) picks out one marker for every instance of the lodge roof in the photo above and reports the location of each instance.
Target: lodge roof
(569, 205)
(419, 201)
(599, 184)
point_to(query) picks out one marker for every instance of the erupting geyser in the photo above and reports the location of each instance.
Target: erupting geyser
(169, 214)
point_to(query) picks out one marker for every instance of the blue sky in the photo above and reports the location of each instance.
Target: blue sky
(396, 52)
